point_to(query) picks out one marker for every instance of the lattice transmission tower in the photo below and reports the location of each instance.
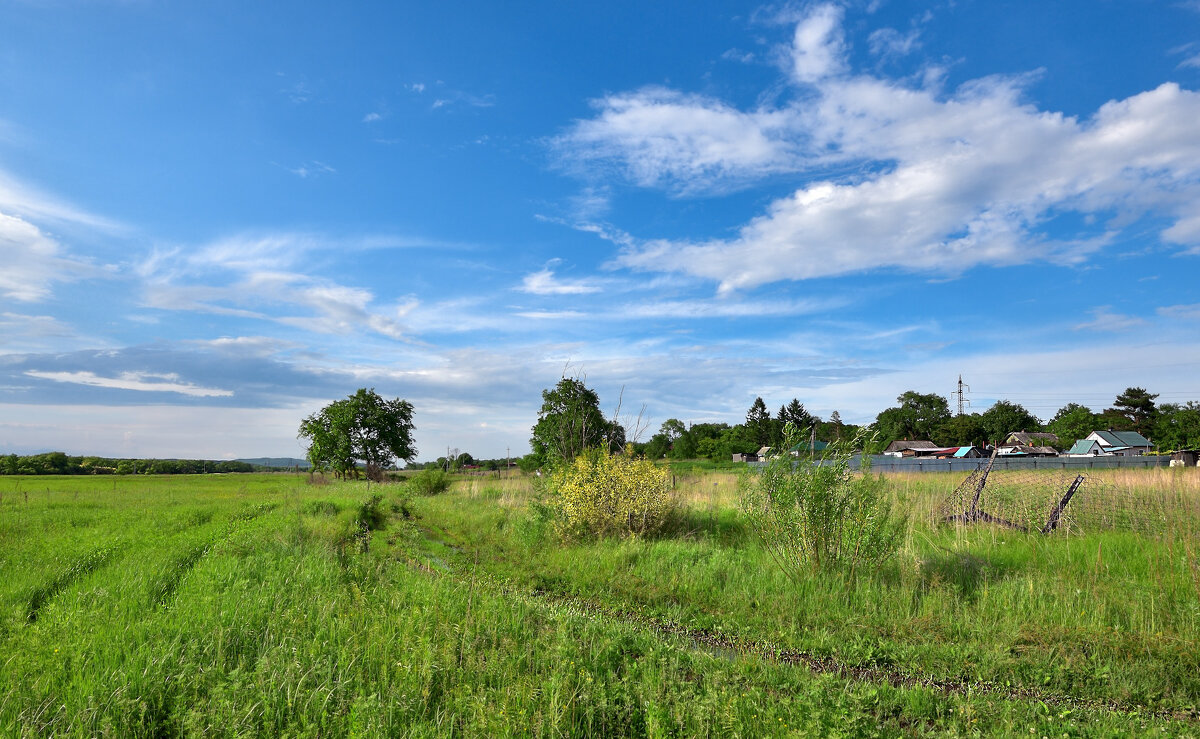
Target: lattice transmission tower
(960, 393)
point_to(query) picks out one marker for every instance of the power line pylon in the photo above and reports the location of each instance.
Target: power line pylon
(959, 393)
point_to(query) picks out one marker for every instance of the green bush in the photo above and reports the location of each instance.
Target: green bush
(602, 494)
(371, 516)
(818, 514)
(429, 482)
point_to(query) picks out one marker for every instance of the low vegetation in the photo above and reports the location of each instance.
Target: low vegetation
(605, 494)
(821, 515)
(238, 606)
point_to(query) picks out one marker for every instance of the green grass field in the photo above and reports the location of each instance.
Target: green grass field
(244, 605)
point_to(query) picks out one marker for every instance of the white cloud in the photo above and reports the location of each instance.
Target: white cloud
(312, 169)
(940, 182)
(26, 201)
(1103, 319)
(372, 117)
(1181, 312)
(818, 46)
(888, 42)
(34, 261)
(545, 283)
(737, 55)
(687, 143)
(257, 276)
(707, 308)
(140, 381)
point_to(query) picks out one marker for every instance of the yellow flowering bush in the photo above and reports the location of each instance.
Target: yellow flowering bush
(602, 494)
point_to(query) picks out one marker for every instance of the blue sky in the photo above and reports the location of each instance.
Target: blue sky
(217, 217)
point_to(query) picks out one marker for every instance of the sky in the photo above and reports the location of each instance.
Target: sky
(217, 217)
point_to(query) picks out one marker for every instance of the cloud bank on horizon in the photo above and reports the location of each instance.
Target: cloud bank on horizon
(862, 203)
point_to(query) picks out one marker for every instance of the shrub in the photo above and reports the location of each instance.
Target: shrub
(371, 516)
(601, 494)
(818, 514)
(430, 482)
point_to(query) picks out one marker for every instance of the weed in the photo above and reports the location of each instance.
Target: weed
(818, 514)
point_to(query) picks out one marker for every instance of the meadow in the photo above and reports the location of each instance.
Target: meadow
(247, 605)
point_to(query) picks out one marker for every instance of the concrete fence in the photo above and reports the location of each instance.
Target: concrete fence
(883, 463)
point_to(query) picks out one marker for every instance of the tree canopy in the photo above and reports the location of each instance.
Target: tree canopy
(569, 422)
(917, 417)
(1004, 417)
(363, 427)
(1136, 407)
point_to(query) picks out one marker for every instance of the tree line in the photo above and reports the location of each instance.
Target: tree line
(59, 463)
(570, 420)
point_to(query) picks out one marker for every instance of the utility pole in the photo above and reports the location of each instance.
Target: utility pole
(507, 454)
(959, 394)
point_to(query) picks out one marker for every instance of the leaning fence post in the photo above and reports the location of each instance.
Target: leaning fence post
(1052, 522)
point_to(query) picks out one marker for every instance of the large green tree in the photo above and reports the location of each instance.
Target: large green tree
(1071, 423)
(964, 430)
(758, 421)
(363, 427)
(1136, 406)
(917, 416)
(569, 422)
(1178, 426)
(1005, 417)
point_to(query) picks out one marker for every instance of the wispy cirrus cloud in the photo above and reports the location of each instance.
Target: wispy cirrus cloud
(1104, 319)
(312, 169)
(937, 182)
(544, 282)
(264, 277)
(139, 381)
(1189, 312)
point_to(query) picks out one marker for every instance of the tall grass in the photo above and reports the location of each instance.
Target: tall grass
(226, 607)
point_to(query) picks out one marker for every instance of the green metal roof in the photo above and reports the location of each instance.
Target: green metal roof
(1083, 446)
(1123, 438)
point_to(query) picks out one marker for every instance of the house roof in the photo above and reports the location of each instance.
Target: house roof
(1083, 446)
(902, 444)
(1122, 438)
(1031, 438)
(818, 446)
(964, 451)
(764, 451)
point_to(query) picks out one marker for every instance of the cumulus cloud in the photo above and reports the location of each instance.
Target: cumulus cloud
(686, 143)
(941, 181)
(818, 47)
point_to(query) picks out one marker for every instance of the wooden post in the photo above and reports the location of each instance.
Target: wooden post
(1056, 514)
(974, 512)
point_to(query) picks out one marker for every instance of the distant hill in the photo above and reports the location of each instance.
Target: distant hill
(282, 462)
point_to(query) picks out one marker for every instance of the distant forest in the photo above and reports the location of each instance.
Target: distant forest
(58, 463)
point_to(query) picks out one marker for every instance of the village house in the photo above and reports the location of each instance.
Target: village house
(1030, 438)
(1111, 444)
(907, 448)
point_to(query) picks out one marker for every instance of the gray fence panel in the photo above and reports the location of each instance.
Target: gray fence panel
(880, 463)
